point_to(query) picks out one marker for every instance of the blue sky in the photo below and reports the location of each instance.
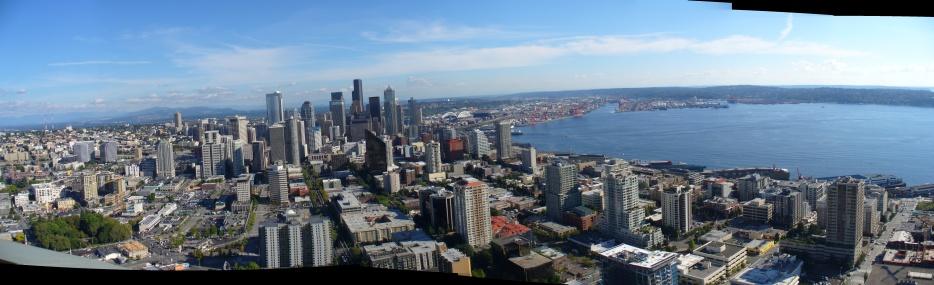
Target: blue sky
(112, 56)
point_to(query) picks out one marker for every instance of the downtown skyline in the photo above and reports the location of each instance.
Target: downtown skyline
(85, 56)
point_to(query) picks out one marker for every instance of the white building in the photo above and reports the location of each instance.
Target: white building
(472, 212)
(46, 192)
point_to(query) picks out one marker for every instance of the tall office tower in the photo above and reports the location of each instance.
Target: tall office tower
(789, 208)
(277, 176)
(676, 209)
(237, 128)
(415, 118)
(213, 162)
(165, 162)
(845, 215)
(503, 140)
(623, 213)
(308, 114)
(447, 133)
(326, 125)
(314, 139)
(626, 264)
(374, 114)
(238, 158)
(89, 188)
(530, 160)
(277, 144)
(260, 162)
(83, 151)
(561, 193)
(432, 157)
(296, 243)
(479, 145)
(749, 186)
(356, 106)
(392, 114)
(108, 151)
(378, 153)
(336, 133)
(337, 111)
(415, 112)
(274, 112)
(262, 132)
(438, 205)
(293, 141)
(178, 121)
(251, 134)
(400, 114)
(472, 212)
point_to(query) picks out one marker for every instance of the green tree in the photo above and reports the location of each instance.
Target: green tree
(199, 255)
(478, 273)
(692, 245)
(151, 197)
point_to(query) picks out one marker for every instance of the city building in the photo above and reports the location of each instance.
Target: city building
(846, 211)
(378, 153)
(277, 143)
(676, 209)
(626, 264)
(46, 193)
(274, 112)
(782, 269)
(296, 244)
(108, 150)
(277, 177)
(392, 119)
(749, 186)
(561, 193)
(530, 161)
(454, 261)
(733, 257)
(293, 140)
(503, 140)
(758, 211)
(338, 115)
(165, 159)
(623, 213)
(432, 157)
(479, 144)
(789, 208)
(366, 227)
(356, 105)
(406, 255)
(472, 212)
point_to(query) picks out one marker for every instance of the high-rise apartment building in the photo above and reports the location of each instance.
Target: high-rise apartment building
(472, 212)
(503, 140)
(676, 209)
(561, 193)
(165, 159)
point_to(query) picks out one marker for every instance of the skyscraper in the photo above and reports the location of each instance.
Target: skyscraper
(274, 112)
(165, 162)
(277, 177)
(277, 144)
(108, 151)
(845, 215)
(530, 160)
(472, 212)
(391, 110)
(415, 118)
(432, 157)
(337, 111)
(260, 161)
(676, 209)
(378, 153)
(623, 213)
(237, 127)
(178, 121)
(308, 114)
(314, 139)
(356, 106)
(503, 140)
(561, 193)
(293, 141)
(479, 144)
(375, 115)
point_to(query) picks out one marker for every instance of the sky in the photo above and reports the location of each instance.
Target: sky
(60, 57)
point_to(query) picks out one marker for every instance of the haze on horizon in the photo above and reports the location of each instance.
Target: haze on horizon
(115, 56)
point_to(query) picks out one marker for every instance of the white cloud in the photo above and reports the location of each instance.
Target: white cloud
(100, 62)
(419, 82)
(787, 30)
(236, 64)
(415, 32)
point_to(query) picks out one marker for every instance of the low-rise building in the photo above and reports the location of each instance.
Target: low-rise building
(782, 269)
(697, 270)
(757, 210)
(454, 261)
(719, 253)
(375, 226)
(134, 250)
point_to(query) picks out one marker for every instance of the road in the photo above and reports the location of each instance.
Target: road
(878, 247)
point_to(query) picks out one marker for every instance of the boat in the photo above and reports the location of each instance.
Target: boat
(515, 131)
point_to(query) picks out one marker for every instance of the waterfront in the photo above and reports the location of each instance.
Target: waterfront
(819, 139)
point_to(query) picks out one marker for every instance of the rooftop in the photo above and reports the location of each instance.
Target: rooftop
(21, 254)
(532, 260)
(635, 256)
(780, 269)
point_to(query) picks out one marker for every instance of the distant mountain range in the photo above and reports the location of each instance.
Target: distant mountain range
(882, 95)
